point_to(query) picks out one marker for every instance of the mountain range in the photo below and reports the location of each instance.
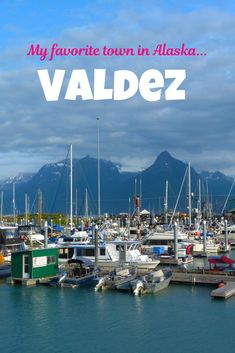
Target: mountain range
(117, 188)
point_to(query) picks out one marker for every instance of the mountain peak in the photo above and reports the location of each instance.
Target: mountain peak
(164, 156)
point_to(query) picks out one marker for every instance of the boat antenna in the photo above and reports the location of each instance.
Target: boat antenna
(166, 203)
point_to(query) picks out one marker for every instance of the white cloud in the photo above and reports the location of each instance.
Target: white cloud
(133, 132)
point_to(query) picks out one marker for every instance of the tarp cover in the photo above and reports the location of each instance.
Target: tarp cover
(221, 259)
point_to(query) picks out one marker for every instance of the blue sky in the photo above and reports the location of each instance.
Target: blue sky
(133, 132)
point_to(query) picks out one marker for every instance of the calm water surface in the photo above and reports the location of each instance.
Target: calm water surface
(179, 319)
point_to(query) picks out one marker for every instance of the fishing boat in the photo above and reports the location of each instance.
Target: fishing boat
(152, 282)
(119, 279)
(73, 274)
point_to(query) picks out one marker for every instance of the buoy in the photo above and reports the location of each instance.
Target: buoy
(221, 285)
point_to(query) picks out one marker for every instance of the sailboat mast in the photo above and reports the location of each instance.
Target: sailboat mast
(26, 208)
(1, 205)
(226, 201)
(98, 164)
(71, 186)
(76, 206)
(199, 200)
(166, 202)
(39, 207)
(140, 190)
(86, 205)
(14, 207)
(189, 195)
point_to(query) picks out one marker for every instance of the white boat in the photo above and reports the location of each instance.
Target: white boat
(78, 237)
(110, 255)
(211, 247)
(119, 279)
(152, 282)
(31, 234)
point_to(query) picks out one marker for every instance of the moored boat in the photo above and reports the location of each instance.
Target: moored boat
(110, 255)
(152, 282)
(73, 274)
(119, 279)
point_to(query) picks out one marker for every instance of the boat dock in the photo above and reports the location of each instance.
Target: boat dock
(227, 291)
(201, 277)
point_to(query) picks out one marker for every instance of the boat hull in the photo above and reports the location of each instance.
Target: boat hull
(152, 283)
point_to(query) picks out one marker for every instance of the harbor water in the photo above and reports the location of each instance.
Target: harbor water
(181, 318)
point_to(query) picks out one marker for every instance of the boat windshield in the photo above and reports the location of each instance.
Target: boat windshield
(10, 233)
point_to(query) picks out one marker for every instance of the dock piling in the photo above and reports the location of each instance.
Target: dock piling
(204, 236)
(45, 234)
(226, 234)
(96, 245)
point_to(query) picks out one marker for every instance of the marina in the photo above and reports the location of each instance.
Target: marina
(117, 179)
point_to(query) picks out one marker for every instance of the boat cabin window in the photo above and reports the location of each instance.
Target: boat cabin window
(9, 233)
(68, 239)
(66, 253)
(156, 242)
(89, 252)
(85, 251)
(118, 247)
(102, 251)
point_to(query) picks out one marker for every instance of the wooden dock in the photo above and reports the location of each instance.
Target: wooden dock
(224, 292)
(200, 277)
(208, 278)
(28, 281)
(23, 281)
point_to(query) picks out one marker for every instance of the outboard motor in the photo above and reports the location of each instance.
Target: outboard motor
(100, 285)
(139, 288)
